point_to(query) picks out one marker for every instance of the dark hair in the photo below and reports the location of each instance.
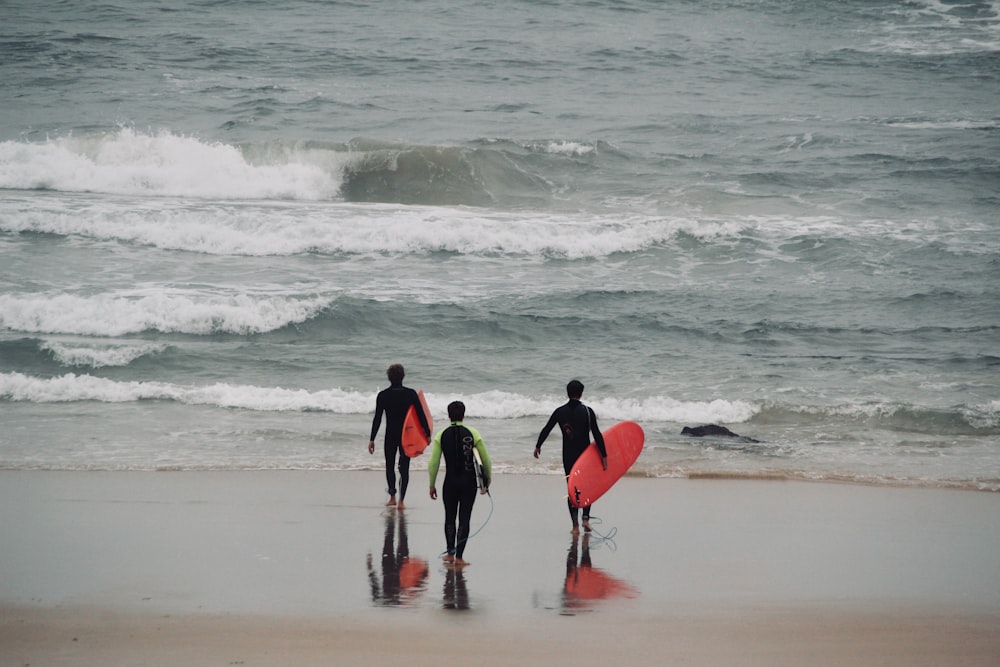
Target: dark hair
(395, 373)
(456, 411)
(574, 389)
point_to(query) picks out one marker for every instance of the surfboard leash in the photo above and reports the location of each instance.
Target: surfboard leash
(478, 530)
(602, 538)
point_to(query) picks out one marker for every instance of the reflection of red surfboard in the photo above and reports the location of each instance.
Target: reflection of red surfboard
(591, 583)
(588, 481)
(414, 439)
(412, 574)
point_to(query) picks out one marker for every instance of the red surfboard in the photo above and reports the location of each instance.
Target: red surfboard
(588, 481)
(414, 440)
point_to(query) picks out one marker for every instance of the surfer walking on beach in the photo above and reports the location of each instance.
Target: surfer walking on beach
(576, 421)
(464, 452)
(394, 401)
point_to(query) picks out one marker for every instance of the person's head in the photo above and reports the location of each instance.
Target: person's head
(456, 411)
(395, 373)
(574, 389)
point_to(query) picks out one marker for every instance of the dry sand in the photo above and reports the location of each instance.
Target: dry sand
(287, 568)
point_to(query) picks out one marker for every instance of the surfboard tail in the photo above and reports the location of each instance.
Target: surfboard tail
(414, 438)
(481, 480)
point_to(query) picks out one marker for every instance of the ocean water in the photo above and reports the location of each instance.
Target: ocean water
(220, 221)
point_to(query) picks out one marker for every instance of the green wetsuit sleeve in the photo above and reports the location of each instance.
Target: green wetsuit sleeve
(434, 463)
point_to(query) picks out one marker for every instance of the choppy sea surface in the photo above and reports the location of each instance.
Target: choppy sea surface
(220, 221)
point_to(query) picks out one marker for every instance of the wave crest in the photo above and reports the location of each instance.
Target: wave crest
(109, 315)
(99, 355)
(483, 405)
(437, 175)
(164, 164)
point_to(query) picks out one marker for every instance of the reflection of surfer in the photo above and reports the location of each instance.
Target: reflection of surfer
(456, 595)
(402, 577)
(458, 444)
(584, 582)
(577, 421)
(573, 568)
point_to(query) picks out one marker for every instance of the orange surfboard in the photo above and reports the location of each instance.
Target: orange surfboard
(414, 440)
(588, 481)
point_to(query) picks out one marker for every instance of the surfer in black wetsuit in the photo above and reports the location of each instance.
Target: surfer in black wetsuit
(577, 421)
(456, 443)
(394, 401)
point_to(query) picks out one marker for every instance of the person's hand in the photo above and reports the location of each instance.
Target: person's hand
(371, 446)
(538, 450)
(604, 462)
(434, 493)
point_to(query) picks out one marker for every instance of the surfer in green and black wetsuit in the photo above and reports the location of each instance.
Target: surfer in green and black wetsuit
(577, 421)
(456, 443)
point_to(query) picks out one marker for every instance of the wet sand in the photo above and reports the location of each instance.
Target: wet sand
(309, 568)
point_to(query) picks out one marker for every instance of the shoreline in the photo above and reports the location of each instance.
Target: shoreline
(417, 469)
(295, 567)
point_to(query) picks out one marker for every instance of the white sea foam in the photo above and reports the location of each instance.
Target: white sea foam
(984, 415)
(274, 228)
(935, 28)
(163, 164)
(956, 124)
(573, 148)
(97, 355)
(504, 405)
(485, 405)
(662, 408)
(508, 405)
(246, 228)
(120, 314)
(914, 47)
(72, 387)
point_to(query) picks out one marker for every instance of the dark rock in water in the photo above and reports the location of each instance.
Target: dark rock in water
(713, 430)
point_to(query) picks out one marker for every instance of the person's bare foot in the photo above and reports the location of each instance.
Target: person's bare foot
(457, 563)
(448, 558)
(576, 530)
(392, 501)
(586, 525)
(400, 505)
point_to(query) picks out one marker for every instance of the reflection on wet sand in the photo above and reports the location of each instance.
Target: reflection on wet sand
(456, 595)
(586, 584)
(403, 578)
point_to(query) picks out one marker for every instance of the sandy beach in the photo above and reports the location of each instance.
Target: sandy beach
(308, 568)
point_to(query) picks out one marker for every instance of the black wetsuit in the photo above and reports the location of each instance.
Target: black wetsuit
(577, 422)
(394, 401)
